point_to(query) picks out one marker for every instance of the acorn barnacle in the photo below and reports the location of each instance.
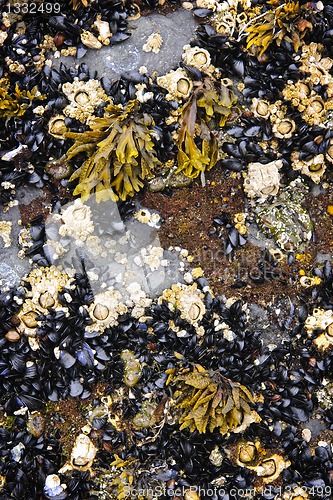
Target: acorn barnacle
(82, 456)
(329, 152)
(76, 221)
(57, 127)
(308, 282)
(247, 453)
(105, 309)
(313, 168)
(319, 320)
(81, 97)
(260, 108)
(325, 340)
(84, 97)
(315, 111)
(176, 83)
(188, 299)
(197, 57)
(265, 463)
(284, 128)
(28, 319)
(90, 41)
(262, 180)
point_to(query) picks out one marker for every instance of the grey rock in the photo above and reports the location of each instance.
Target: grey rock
(176, 30)
(125, 264)
(12, 268)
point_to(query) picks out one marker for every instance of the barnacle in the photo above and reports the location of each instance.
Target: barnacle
(5, 232)
(262, 180)
(104, 32)
(197, 57)
(120, 152)
(177, 84)
(265, 463)
(285, 22)
(313, 168)
(42, 286)
(153, 43)
(57, 126)
(210, 401)
(284, 128)
(82, 456)
(89, 40)
(76, 221)
(188, 299)
(105, 309)
(260, 108)
(321, 321)
(16, 104)
(84, 97)
(198, 118)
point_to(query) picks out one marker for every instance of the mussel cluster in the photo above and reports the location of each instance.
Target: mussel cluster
(173, 395)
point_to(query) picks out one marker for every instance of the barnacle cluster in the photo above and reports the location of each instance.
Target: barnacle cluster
(177, 83)
(42, 287)
(302, 93)
(267, 464)
(262, 180)
(83, 98)
(187, 299)
(208, 400)
(153, 43)
(313, 168)
(105, 309)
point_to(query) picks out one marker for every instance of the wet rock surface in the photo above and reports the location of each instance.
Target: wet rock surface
(176, 29)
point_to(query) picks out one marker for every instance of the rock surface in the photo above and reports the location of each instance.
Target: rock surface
(176, 29)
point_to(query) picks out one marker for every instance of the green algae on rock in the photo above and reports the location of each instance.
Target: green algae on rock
(285, 219)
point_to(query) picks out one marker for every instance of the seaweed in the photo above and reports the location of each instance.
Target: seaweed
(120, 152)
(197, 142)
(210, 401)
(17, 103)
(75, 4)
(285, 22)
